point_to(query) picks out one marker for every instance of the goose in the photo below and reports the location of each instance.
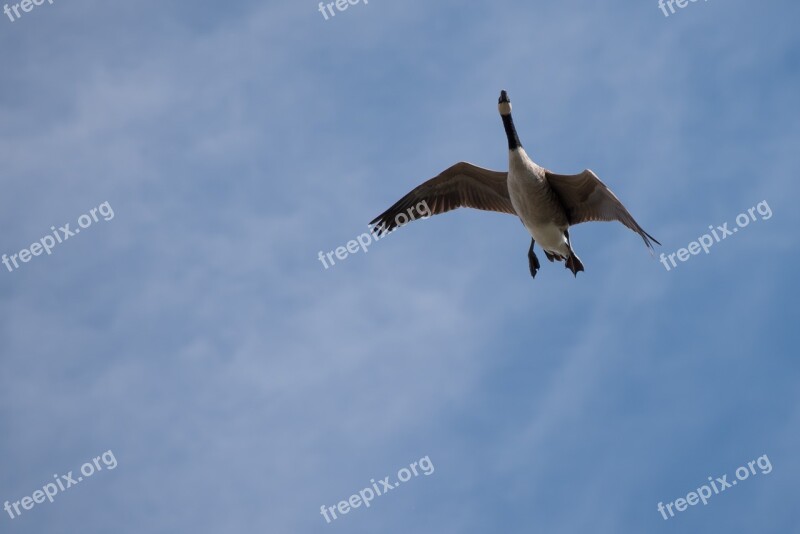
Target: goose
(548, 204)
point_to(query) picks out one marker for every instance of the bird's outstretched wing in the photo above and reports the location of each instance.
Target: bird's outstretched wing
(462, 185)
(586, 198)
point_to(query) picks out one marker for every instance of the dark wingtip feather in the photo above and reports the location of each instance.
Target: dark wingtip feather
(647, 238)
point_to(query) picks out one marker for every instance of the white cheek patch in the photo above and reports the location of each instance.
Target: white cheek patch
(505, 108)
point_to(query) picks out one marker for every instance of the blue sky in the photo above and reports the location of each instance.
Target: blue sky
(241, 386)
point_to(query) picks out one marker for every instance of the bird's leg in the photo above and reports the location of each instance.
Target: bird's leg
(533, 261)
(573, 263)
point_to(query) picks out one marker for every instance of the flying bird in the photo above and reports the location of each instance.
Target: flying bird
(546, 203)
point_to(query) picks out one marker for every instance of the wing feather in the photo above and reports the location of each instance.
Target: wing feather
(462, 185)
(586, 198)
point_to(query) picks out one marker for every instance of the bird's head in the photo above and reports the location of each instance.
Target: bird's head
(504, 104)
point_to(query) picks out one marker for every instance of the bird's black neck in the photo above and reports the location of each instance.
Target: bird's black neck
(511, 132)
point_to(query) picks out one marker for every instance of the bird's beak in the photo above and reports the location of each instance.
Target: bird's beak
(503, 98)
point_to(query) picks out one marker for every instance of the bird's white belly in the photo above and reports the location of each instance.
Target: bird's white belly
(550, 237)
(529, 198)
